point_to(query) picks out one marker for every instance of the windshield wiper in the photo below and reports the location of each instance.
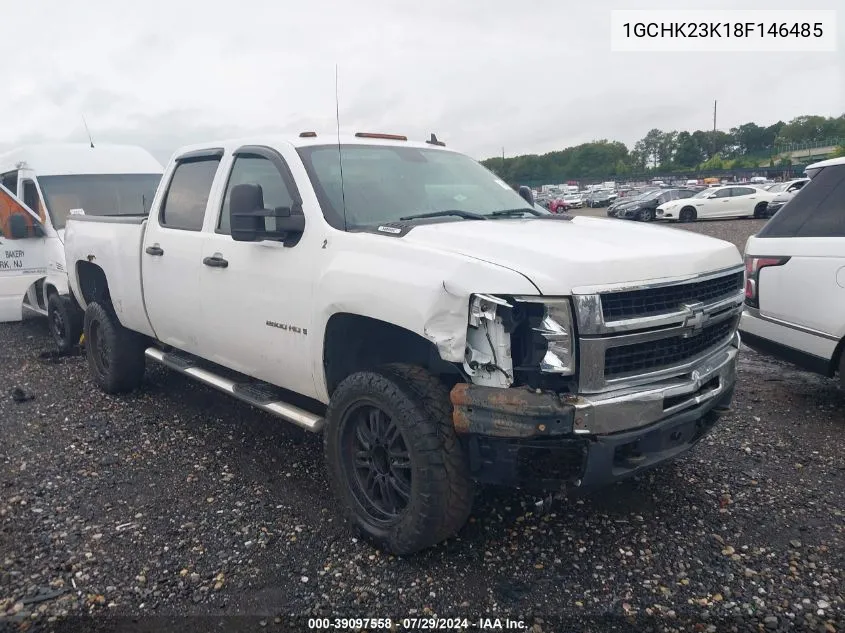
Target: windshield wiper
(467, 215)
(513, 213)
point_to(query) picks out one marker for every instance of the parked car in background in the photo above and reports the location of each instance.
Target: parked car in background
(600, 198)
(718, 202)
(643, 209)
(633, 198)
(784, 192)
(795, 277)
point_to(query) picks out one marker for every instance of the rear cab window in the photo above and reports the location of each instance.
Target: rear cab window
(187, 194)
(817, 210)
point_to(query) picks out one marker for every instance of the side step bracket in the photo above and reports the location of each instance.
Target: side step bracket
(255, 393)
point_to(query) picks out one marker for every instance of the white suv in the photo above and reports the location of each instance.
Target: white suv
(795, 277)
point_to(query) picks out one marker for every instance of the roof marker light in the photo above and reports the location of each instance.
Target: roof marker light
(389, 137)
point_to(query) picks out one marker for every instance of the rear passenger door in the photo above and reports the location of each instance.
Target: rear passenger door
(743, 200)
(171, 255)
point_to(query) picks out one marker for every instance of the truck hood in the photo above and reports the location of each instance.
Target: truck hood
(560, 256)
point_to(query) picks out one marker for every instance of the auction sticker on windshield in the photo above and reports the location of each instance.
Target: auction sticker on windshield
(723, 31)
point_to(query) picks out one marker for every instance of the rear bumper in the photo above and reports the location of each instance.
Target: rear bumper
(807, 350)
(519, 437)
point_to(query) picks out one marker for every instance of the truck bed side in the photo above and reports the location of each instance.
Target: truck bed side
(111, 247)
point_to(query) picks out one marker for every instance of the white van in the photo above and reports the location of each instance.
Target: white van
(40, 185)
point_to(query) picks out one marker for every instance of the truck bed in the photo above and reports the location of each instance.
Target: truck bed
(114, 244)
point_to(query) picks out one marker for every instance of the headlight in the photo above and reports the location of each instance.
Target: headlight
(556, 329)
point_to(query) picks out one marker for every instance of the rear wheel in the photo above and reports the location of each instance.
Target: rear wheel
(842, 370)
(394, 461)
(687, 214)
(115, 354)
(65, 319)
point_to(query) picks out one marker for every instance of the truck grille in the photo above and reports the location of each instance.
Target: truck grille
(650, 301)
(662, 353)
(633, 337)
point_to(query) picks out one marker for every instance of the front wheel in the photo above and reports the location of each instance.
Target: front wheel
(760, 210)
(394, 461)
(687, 214)
(115, 354)
(65, 319)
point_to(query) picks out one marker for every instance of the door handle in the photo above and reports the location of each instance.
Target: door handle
(215, 262)
(154, 250)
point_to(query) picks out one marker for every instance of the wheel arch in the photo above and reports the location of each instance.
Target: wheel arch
(353, 342)
(93, 283)
(836, 360)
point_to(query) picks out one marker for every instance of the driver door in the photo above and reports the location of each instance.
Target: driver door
(23, 252)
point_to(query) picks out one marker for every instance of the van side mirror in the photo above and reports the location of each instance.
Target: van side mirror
(18, 227)
(526, 194)
(247, 213)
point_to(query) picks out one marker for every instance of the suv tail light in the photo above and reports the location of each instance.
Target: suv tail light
(753, 266)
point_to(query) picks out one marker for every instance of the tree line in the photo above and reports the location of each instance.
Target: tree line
(748, 145)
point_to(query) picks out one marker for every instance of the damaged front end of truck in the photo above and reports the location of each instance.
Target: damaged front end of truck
(589, 389)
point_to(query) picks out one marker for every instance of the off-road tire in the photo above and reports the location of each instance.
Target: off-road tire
(65, 320)
(687, 214)
(115, 355)
(441, 489)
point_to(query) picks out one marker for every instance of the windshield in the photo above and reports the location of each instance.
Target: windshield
(644, 195)
(382, 184)
(781, 186)
(98, 194)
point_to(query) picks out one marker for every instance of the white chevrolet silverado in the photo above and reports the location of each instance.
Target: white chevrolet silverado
(434, 325)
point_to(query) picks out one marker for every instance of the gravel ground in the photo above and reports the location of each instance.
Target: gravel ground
(176, 500)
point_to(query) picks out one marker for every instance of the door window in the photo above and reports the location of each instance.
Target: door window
(187, 195)
(32, 199)
(250, 169)
(742, 191)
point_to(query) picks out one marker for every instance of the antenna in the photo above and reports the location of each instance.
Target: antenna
(339, 154)
(87, 131)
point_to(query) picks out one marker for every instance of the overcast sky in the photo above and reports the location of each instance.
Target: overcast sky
(530, 76)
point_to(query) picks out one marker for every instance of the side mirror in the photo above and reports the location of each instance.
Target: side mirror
(18, 227)
(526, 194)
(247, 213)
(712, 195)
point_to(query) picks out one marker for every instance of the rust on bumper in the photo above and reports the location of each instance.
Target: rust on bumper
(514, 413)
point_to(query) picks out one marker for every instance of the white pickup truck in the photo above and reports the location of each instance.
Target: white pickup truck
(437, 327)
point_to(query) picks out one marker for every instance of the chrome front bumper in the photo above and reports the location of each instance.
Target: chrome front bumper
(636, 407)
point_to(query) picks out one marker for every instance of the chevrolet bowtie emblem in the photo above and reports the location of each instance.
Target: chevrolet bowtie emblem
(694, 318)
